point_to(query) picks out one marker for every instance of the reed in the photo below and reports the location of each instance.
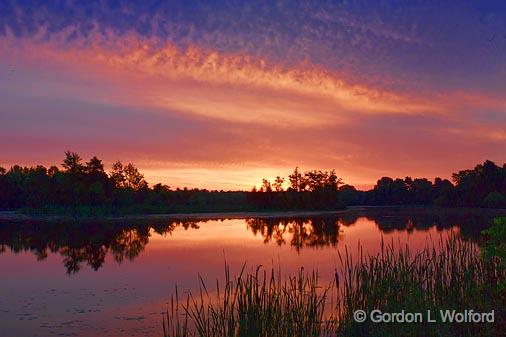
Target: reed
(254, 304)
(449, 275)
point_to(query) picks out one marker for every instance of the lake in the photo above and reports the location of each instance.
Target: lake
(114, 277)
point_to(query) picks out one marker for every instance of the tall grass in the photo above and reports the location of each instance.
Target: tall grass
(450, 275)
(254, 304)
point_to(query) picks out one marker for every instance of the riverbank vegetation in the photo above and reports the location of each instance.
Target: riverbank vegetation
(449, 275)
(85, 188)
(482, 186)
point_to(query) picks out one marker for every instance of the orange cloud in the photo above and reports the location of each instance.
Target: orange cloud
(215, 85)
(131, 99)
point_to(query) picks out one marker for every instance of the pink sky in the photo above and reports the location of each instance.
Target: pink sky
(201, 115)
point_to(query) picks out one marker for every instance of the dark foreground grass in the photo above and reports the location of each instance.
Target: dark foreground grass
(452, 275)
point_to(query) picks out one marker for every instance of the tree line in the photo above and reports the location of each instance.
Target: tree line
(309, 190)
(85, 187)
(482, 186)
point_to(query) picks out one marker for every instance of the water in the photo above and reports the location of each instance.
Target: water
(114, 277)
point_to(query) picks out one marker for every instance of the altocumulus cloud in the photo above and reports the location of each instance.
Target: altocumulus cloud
(256, 85)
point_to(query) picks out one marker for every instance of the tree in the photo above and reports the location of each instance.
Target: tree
(133, 178)
(473, 186)
(4, 192)
(348, 195)
(266, 186)
(95, 166)
(72, 163)
(53, 170)
(97, 193)
(382, 191)
(315, 179)
(494, 200)
(443, 192)
(117, 175)
(421, 190)
(332, 180)
(37, 183)
(88, 184)
(278, 184)
(296, 180)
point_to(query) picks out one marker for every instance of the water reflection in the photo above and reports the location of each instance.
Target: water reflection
(317, 231)
(89, 242)
(83, 242)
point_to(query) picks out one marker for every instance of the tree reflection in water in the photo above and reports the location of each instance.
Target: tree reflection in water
(318, 231)
(89, 243)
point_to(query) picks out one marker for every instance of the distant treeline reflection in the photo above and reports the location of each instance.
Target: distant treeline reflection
(88, 243)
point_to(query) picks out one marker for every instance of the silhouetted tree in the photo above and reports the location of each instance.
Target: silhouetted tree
(443, 192)
(296, 180)
(78, 186)
(278, 184)
(348, 195)
(266, 186)
(133, 178)
(117, 174)
(52, 171)
(495, 200)
(72, 163)
(95, 167)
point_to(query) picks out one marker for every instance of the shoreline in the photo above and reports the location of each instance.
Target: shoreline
(15, 216)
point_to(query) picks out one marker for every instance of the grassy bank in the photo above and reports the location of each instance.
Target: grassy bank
(452, 274)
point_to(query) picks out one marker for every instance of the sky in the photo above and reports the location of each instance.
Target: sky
(221, 94)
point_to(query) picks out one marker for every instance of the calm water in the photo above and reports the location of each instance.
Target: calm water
(114, 278)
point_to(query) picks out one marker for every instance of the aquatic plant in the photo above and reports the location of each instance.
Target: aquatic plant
(448, 275)
(251, 304)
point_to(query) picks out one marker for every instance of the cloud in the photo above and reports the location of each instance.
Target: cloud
(426, 46)
(201, 82)
(216, 91)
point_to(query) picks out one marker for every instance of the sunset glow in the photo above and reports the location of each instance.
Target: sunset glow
(227, 95)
